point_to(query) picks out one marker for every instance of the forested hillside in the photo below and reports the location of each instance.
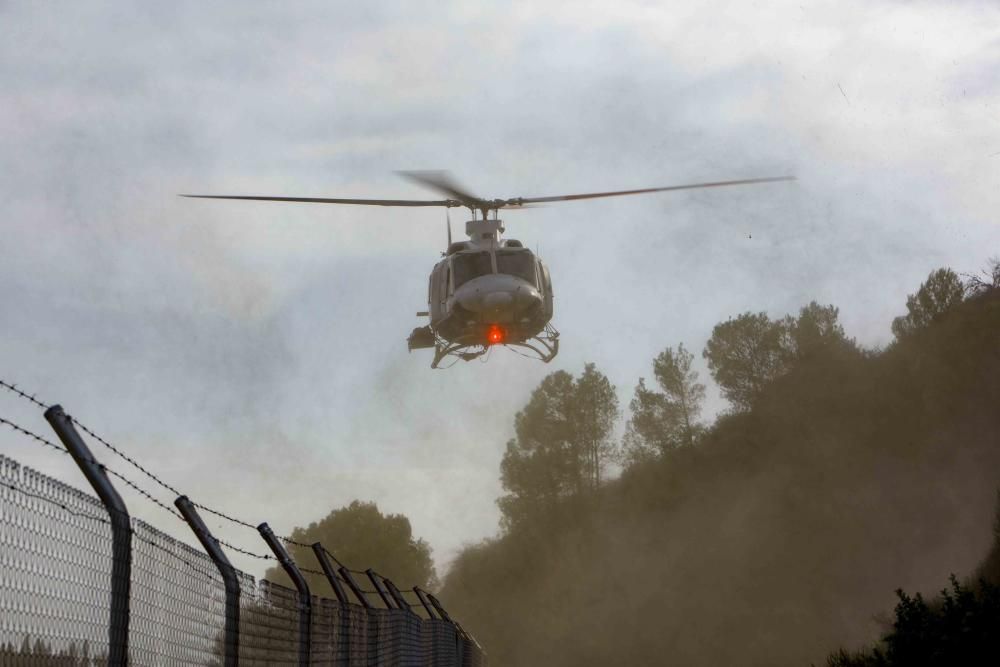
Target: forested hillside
(774, 536)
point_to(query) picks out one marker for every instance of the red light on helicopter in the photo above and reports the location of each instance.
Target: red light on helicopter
(495, 335)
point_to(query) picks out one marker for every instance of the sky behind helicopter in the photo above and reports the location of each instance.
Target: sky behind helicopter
(255, 353)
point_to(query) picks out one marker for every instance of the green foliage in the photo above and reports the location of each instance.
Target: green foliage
(562, 443)
(941, 292)
(362, 537)
(664, 420)
(961, 628)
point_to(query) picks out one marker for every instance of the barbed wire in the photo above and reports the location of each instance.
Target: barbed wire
(12, 387)
(143, 492)
(335, 559)
(99, 519)
(244, 551)
(131, 461)
(125, 456)
(176, 492)
(223, 516)
(186, 561)
(31, 397)
(130, 483)
(33, 436)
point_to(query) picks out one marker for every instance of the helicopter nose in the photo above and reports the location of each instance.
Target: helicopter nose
(497, 297)
(497, 300)
(480, 301)
(499, 305)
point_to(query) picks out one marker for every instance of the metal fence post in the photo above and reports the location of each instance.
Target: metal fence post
(121, 532)
(358, 593)
(379, 588)
(343, 614)
(231, 648)
(440, 609)
(331, 574)
(397, 596)
(305, 599)
(425, 602)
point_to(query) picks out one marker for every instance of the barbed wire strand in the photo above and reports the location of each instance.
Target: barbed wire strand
(126, 480)
(130, 483)
(244, 551)
(30, 397)
(33, 436)
(10, 386)
(335, 559)
(125, 456)
(169, 487)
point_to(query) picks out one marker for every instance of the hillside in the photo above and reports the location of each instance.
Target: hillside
(780, 537)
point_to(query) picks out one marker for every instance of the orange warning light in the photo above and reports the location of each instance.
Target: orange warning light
(495, 335)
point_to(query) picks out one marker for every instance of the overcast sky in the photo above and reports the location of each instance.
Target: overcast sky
(254, 354)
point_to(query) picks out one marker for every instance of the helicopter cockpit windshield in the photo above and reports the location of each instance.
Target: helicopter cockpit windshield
(467, 266)
(520, 263)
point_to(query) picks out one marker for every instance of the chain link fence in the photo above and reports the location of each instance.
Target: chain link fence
(79, 589)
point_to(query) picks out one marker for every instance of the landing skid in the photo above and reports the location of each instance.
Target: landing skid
(544, 347)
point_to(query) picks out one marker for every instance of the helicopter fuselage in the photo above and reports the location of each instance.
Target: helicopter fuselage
(486, 291)
(490, 296)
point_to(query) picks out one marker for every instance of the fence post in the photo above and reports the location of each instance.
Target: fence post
(331, 575)
(379, 588)
(305, 599)
(121, 532)
(358, 593)
(440, 609)
(231, 648)
(343, 641)
(425, 602)
(397, 596)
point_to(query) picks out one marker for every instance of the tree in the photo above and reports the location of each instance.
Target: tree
(939, 293)
(986, 281)
(361, 537)
(562, 442)
(817, 328)
(667, 419)
(595, 411)
(746, 353)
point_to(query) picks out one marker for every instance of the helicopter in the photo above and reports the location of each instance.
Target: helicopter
(488, 291)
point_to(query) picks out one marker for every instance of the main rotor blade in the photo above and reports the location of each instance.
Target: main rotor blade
(325, 200)
(596, 195)
(442, 182)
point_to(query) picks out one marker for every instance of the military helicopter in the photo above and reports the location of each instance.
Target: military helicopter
(486, 291)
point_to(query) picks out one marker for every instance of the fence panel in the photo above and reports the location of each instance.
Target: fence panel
(269, 624)
(55, 565)
(55, 574)
(178, 602)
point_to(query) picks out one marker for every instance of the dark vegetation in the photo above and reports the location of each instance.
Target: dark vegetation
(961, 628)
(41, 654)
(361, 537)
(774, 536)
